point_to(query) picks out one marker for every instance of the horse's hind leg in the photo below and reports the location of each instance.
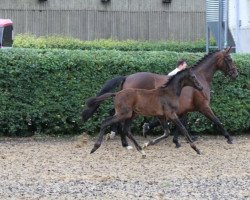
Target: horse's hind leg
(183, 130)
(107, 122)
(176, 138)
(149, 126)
(114, 127)
(164, 124)
(210, 115)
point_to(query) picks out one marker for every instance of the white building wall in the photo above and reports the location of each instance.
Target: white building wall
(239, 15)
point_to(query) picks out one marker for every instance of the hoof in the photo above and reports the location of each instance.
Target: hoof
(129, 147)
(177, 145)
(96, 146)
(110, 136)
(145, 145)
(145, 129)
(198, 152)
(107, 137)
(93, 150)
(143, 154)
(230, 141)
(194, 138)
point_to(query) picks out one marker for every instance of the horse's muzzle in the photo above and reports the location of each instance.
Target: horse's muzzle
(233, 73)
(234, 76)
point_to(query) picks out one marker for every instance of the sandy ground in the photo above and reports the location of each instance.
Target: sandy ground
(50, 168)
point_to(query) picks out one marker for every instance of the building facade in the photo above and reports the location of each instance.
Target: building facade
(181, 20)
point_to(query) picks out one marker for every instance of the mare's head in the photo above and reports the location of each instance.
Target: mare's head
(225, 63)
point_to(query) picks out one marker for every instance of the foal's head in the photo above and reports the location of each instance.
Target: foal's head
(184, 78)
(189, 79)
(225, 63)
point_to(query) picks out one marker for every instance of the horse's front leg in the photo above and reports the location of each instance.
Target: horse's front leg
(176, 132)
(184, 131)
(211, 116)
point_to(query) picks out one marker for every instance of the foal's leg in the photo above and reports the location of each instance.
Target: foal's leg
(210, 115)
(123, 134)
(107, 122)
(164, 124)
(183, 130)
(127, 130)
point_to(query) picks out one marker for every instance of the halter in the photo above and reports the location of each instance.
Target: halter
(230, 70)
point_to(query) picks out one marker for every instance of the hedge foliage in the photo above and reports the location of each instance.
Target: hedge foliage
(45, 90)
(61, 42)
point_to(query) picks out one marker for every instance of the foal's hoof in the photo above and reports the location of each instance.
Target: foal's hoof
(198, 152)
(93, 150)
(96, 146)
(177, 145)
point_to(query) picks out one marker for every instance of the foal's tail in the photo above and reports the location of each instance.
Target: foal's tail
(107, 87)
(96, 101)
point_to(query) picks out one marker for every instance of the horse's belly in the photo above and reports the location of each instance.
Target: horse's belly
(148, 108)
(144, 80)
(186, 103)
(142, 112)
(139, 84)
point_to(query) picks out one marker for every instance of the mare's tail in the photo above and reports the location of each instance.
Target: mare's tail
(107, 87)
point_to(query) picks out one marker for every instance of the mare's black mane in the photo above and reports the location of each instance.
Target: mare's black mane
(202, 60)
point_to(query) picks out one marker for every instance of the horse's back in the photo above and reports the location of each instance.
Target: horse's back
(144, 80)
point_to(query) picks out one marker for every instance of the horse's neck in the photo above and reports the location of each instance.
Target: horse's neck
(206, 70)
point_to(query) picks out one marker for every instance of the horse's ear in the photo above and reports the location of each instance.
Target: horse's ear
(190, 69)
(227, 50)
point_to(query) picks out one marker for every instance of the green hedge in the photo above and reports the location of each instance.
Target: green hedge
(45, 90)
(29, 41)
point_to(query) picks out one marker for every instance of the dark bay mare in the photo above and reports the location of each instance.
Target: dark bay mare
(190, 99)
(162, 102)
